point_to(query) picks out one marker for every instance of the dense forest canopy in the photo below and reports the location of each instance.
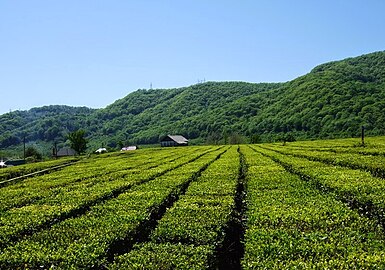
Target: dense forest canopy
(333, 100)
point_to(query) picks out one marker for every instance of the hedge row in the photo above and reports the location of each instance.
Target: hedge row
(292, 225)
(191, 232)
(370, 163)
(86, 241)
(358, 188)
(16, 171)
(47, 205)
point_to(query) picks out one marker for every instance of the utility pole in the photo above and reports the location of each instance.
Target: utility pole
(24, 145)
(363, 136)
(54, 150)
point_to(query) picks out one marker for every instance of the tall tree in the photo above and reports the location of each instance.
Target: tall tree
(78, 142)
(33, 154)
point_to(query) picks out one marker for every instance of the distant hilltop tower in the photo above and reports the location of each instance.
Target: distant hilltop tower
(201, 81)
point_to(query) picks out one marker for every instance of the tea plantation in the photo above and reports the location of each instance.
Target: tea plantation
(302, 205)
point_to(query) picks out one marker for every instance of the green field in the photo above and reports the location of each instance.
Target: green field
(302, 205)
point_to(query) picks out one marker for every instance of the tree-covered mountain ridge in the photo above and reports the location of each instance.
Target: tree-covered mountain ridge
(333, 100)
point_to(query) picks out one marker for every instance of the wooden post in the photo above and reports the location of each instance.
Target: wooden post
(24, 145)
(54, 150)
(363, 135)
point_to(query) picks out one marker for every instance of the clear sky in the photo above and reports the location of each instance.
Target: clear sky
(91, 53)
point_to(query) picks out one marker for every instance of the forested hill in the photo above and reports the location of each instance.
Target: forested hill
(333, 100)
(197, 111)
(46, 123)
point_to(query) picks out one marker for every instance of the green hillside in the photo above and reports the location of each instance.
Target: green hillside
(333, 100)
(197, 111)
(48, 123)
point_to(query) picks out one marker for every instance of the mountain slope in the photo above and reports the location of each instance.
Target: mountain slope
(193, 111)
(333, 100)
(46, 123)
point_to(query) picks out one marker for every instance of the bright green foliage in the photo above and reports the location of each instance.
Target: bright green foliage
(349, 184)
(200, 215)
(348, 158)
(374, 146)
(198, 219)
(84, 241)
(12, 172)
(176, 208)
(62, 194)
(166, 256)
(292, 225)
(195, 220)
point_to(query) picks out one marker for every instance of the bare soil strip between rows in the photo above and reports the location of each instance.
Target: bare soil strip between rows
(230, 254)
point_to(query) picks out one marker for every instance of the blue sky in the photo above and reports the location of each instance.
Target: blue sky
(91, 53)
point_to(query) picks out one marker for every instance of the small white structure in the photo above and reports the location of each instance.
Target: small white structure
(129, 148)
(2, 164)
(101, 150)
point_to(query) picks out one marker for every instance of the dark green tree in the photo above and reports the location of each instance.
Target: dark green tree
(255, 138)
(235, 138)
(78, 142)
(32, 154)
(289, 137)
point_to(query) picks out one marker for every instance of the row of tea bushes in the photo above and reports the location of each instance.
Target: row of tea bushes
(85, 241)
(190, 233)
(17, 171)
(49, 205)
(373, 164)
(358, 188)
(292, 225)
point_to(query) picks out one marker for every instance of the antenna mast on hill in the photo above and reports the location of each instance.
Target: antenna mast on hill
(201, 81)
(151, 86)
